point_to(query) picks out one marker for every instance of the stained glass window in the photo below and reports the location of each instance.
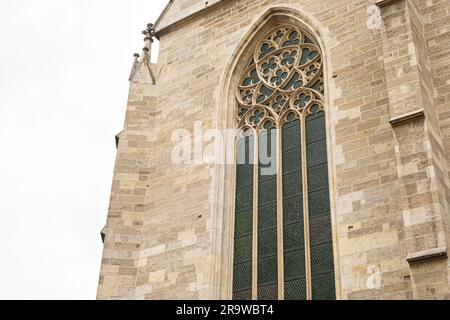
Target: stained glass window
(283, 246)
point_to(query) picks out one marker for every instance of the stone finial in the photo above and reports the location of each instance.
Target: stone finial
(133, 68)
(149, 33)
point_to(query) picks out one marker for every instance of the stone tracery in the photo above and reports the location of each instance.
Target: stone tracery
(285, 74)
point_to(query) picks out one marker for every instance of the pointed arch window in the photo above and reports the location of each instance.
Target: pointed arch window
(283, 246)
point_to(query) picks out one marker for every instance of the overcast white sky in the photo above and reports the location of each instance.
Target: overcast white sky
(64, 67)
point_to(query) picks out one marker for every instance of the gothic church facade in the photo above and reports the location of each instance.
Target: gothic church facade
(350, 100)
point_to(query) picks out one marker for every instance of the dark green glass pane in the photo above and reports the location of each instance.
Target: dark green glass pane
(295, 290)
(291, 135)
(267, 216)
(292, 122)
(315, 128)
(319, 203)
(265, 50)
(294, 265)
(322, 259)
(294, 83)
(320, 230)
(318, 86)
(243, 242)
(292, 160)
(292, 39)
(267, 172)
(267, 191)
(318, 178)
(242, 295)
(294, 238)
(268, 292)
(291, 184)
(244, 198)
(267, 243)
(242, 277)
(243, 249)
(308, 55)
(293, 209)
(254, 76)
(267, 155)
(323, 287)
(302, 100)
(267, 271)
(316, 153)
(264, 93)
(244, 175)
(293, 231)
(244, 224)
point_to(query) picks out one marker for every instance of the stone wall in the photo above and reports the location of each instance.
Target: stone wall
(388, 112)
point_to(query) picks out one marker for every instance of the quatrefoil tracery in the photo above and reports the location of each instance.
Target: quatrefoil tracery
(284, 73)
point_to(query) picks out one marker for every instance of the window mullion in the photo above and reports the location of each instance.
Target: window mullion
(280, 249)
(305, 207)
(255, 215)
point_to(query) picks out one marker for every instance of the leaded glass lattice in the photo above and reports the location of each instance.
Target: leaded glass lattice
(267, 233)
(243, 232)
(322, 262)
(288, 253)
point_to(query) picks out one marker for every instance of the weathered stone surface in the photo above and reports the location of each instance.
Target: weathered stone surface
(168, 229)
